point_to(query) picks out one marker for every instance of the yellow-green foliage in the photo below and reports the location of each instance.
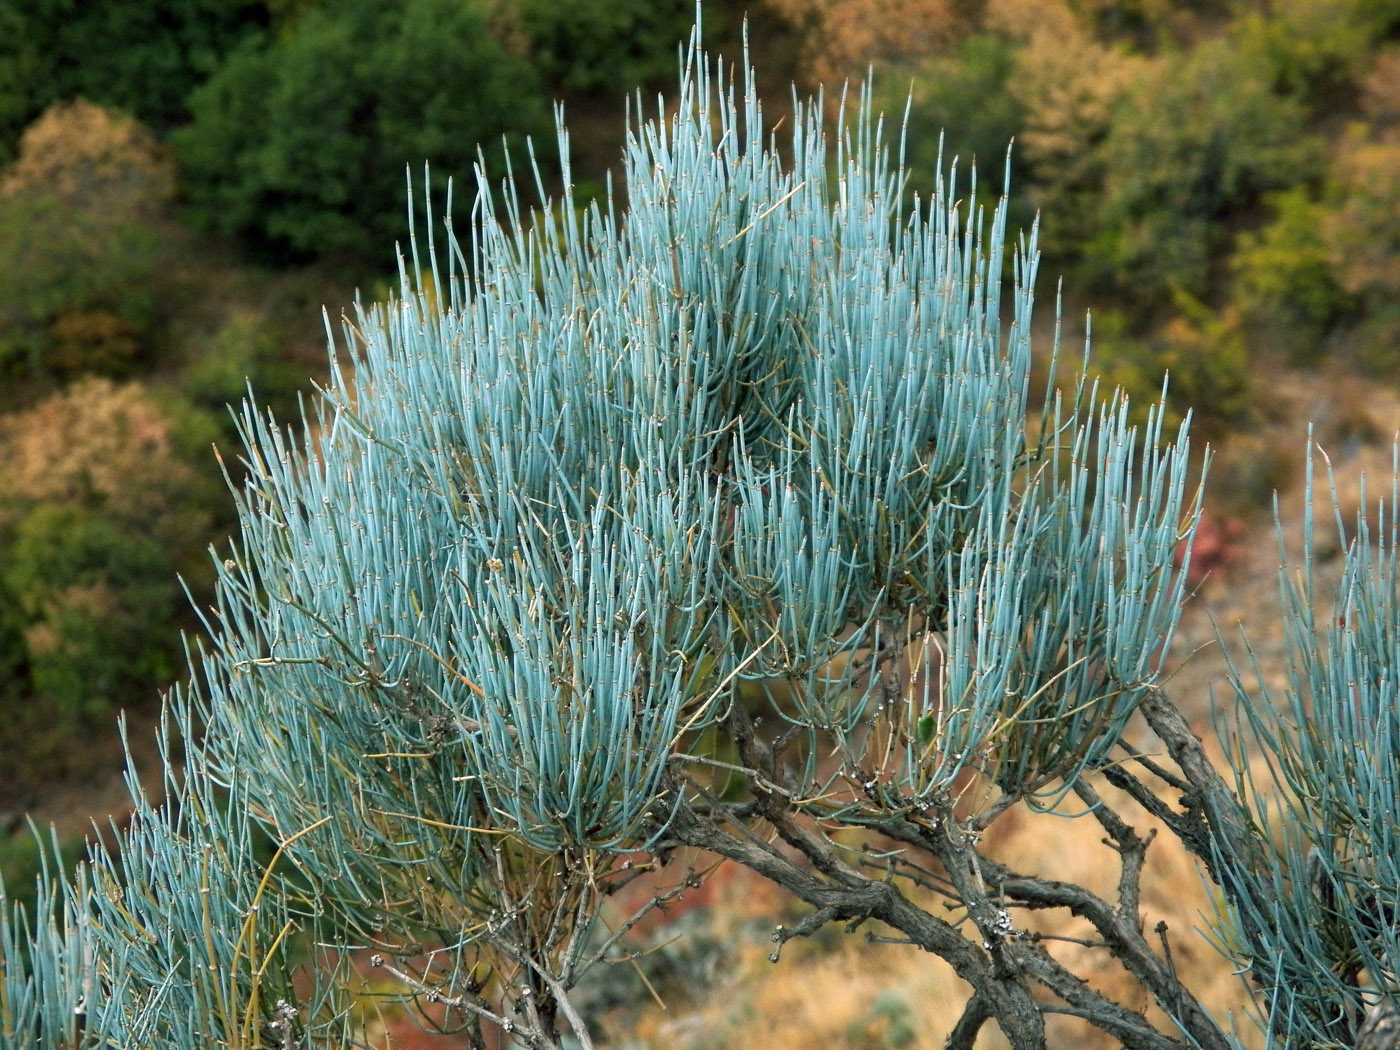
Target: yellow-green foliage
(1244, 160)
(1196, 142)
(1201, 353)
(1069, 84)
(1363, 230)
(78, 252)
(99, 508)
(1286, 277)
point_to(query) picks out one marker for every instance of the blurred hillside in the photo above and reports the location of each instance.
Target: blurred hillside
(1217, 184)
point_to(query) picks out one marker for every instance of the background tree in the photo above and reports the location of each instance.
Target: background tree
(299, 144)
(960, 101)
(842, 41)
(98, 504)
(590, 46)
(715, 524)
(80, 211)
(1363, 233)
(1286, 277)
(1194, 140)
(141, 56)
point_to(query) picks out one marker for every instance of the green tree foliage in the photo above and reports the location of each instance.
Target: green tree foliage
(1180, 153)
(960, 105)
(61, 269)
(248, 348)
(99, 506)
(80, 245)
(1313, 49)
(590, 46)
(1199, 139)
(141, 56)
(1286, 277)
(94, 596)
(1203, 352)
(300, 144)
(1362, 229)
(715, 523)
(1068, 85)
